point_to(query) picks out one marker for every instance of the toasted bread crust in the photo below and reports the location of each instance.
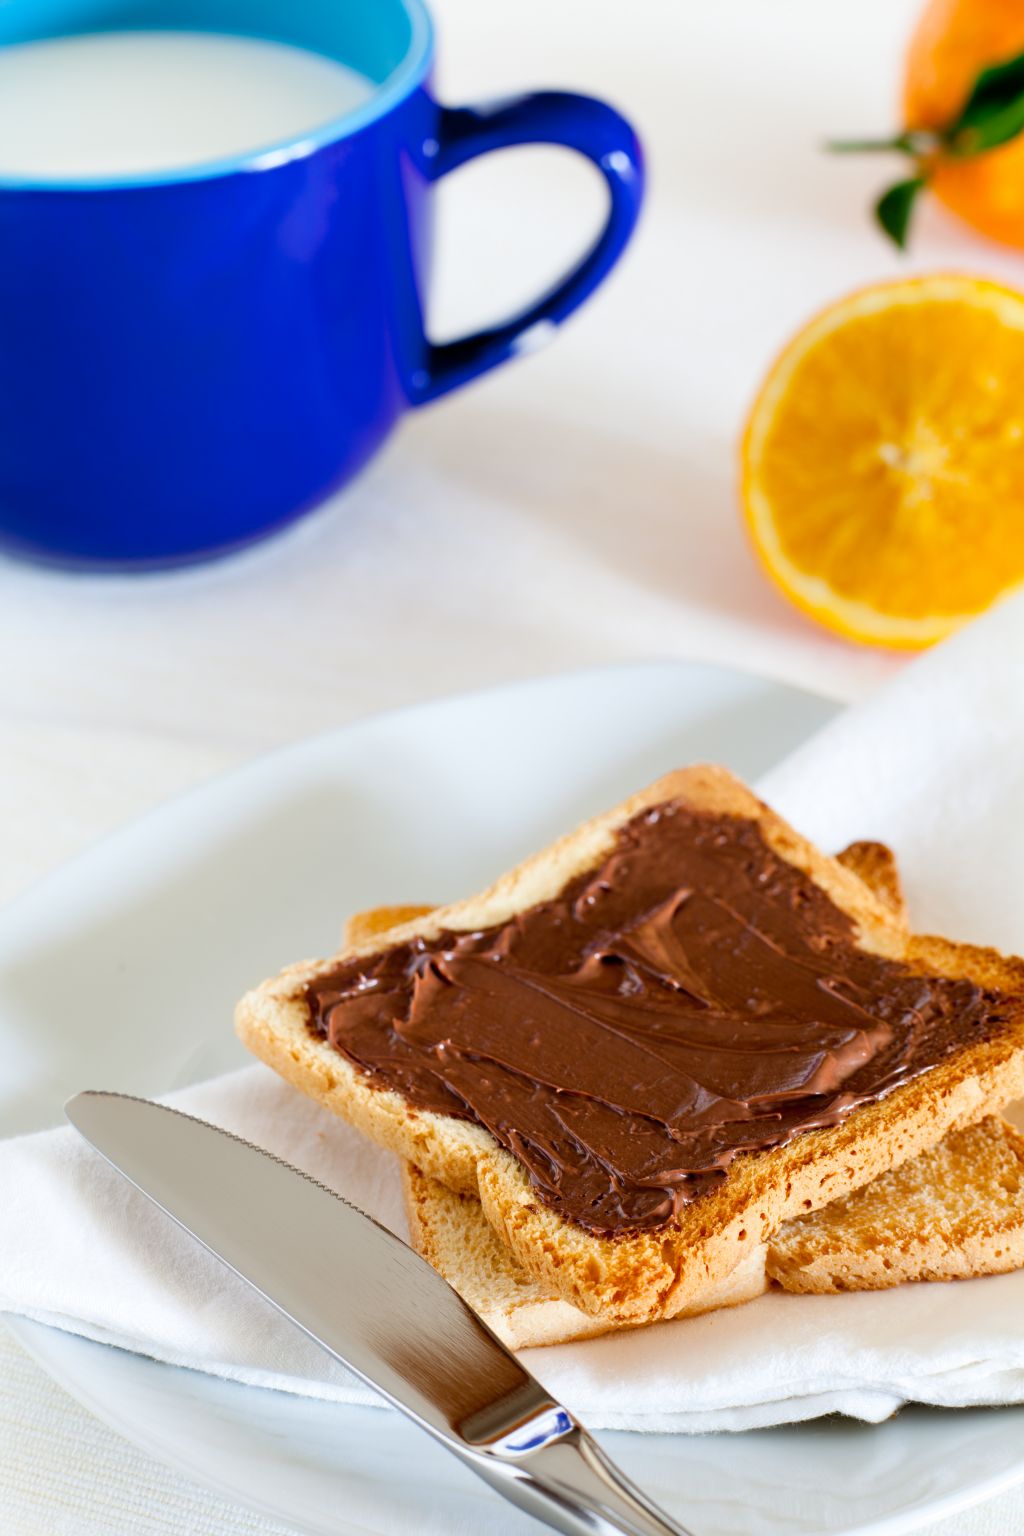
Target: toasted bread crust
(643, 1276)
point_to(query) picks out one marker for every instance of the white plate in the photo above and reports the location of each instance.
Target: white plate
(121, 971)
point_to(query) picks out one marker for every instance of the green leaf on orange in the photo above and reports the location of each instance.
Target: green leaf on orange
(895, 208)
(993, 113)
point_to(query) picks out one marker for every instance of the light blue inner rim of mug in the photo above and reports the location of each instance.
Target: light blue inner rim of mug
(389, 41)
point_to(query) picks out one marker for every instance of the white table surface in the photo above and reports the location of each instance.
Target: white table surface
(576, 508)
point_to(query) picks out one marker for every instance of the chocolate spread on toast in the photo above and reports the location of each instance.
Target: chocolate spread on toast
(694, 997)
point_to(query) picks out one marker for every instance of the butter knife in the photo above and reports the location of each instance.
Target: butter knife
(369, 1301)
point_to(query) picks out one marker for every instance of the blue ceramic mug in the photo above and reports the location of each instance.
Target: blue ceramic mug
(191, 359)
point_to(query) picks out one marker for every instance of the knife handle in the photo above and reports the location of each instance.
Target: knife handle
(574, 1487)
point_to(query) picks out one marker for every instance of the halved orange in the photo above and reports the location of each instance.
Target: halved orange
(883, 459)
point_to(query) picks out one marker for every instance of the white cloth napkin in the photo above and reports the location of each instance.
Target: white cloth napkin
(934, 765)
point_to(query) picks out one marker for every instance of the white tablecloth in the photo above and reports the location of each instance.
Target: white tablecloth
(577, 507)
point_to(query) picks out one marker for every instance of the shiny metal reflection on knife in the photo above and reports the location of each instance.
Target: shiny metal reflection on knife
(372, 1303)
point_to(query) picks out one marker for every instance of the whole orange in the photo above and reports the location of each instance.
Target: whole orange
(953, 42)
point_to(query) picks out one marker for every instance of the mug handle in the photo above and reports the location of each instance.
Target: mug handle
(582, 123)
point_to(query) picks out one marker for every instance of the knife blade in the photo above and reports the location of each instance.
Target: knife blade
(373, 1304)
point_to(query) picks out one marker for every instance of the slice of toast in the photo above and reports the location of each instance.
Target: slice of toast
(953, 1212)
(645, 1274)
